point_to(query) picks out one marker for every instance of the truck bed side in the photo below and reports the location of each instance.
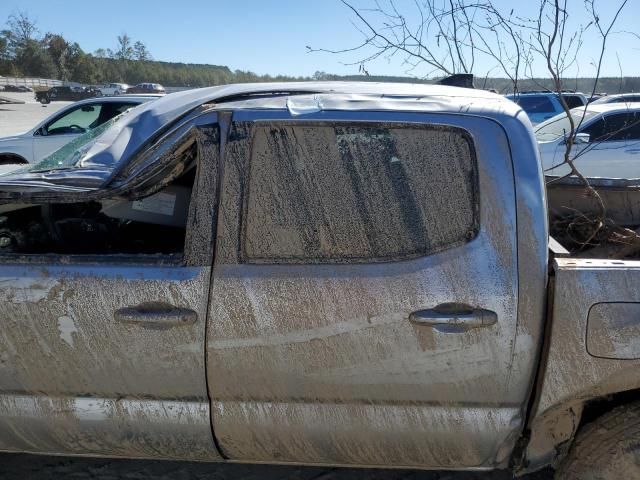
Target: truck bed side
(592, 350)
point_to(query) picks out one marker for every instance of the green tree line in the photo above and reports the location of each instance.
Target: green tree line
(24, 51)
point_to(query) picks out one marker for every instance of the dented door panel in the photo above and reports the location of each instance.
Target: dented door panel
(320, 363)
(74, 380)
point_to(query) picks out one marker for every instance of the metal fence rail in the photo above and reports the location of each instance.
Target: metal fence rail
(31, 82)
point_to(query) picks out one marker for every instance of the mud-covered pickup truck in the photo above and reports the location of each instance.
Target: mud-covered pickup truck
(315, 273)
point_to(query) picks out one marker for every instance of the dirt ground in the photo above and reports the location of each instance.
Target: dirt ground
(33, 467)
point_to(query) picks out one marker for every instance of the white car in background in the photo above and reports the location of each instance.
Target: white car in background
(63, 126)
(618, 98)
(607, 141)
(111, 89)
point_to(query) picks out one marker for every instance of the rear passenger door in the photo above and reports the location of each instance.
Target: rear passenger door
(363, 307)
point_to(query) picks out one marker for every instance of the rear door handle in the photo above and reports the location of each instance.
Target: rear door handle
(633, 151)
(156, 314)
(453, 318)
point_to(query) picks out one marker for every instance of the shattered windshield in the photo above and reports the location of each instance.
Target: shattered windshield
(68, 156)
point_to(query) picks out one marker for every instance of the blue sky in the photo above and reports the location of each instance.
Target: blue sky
(269, 36)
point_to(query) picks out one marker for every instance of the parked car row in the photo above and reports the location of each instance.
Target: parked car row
(607, 132)
(73, 94)
(542, 105)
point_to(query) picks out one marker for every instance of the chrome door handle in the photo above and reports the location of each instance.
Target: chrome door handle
(156, 314)
(451, 317)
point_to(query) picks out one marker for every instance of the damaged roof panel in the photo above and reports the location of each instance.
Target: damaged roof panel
(92, 160)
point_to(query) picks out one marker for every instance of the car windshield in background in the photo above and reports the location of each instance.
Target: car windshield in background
(558, 126)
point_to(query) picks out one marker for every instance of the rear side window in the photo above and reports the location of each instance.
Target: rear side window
(535, 104)
(573, 101)
(87, 117)
(628, 127)
(340, 193)
(615, 127)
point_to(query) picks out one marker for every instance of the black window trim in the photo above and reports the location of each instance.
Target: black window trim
(46, 126)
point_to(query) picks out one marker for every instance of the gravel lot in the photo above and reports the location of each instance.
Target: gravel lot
(31, 467)
(17, 118)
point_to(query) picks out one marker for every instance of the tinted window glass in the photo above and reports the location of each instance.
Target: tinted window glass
(633, 132)
(573, 101)
(358, 193)
(617, 127)
(595, 130)
(86, 117)
(536, 104)
(623, 126)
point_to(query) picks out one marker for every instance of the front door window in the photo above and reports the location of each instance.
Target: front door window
(85, 117)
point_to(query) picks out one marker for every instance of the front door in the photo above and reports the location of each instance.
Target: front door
(104, 354)
(364, 301)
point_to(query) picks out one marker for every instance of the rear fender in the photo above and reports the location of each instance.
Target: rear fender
(591, 350)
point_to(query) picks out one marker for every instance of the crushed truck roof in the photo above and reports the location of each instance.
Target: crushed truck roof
(145, 122)
(135, 130)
